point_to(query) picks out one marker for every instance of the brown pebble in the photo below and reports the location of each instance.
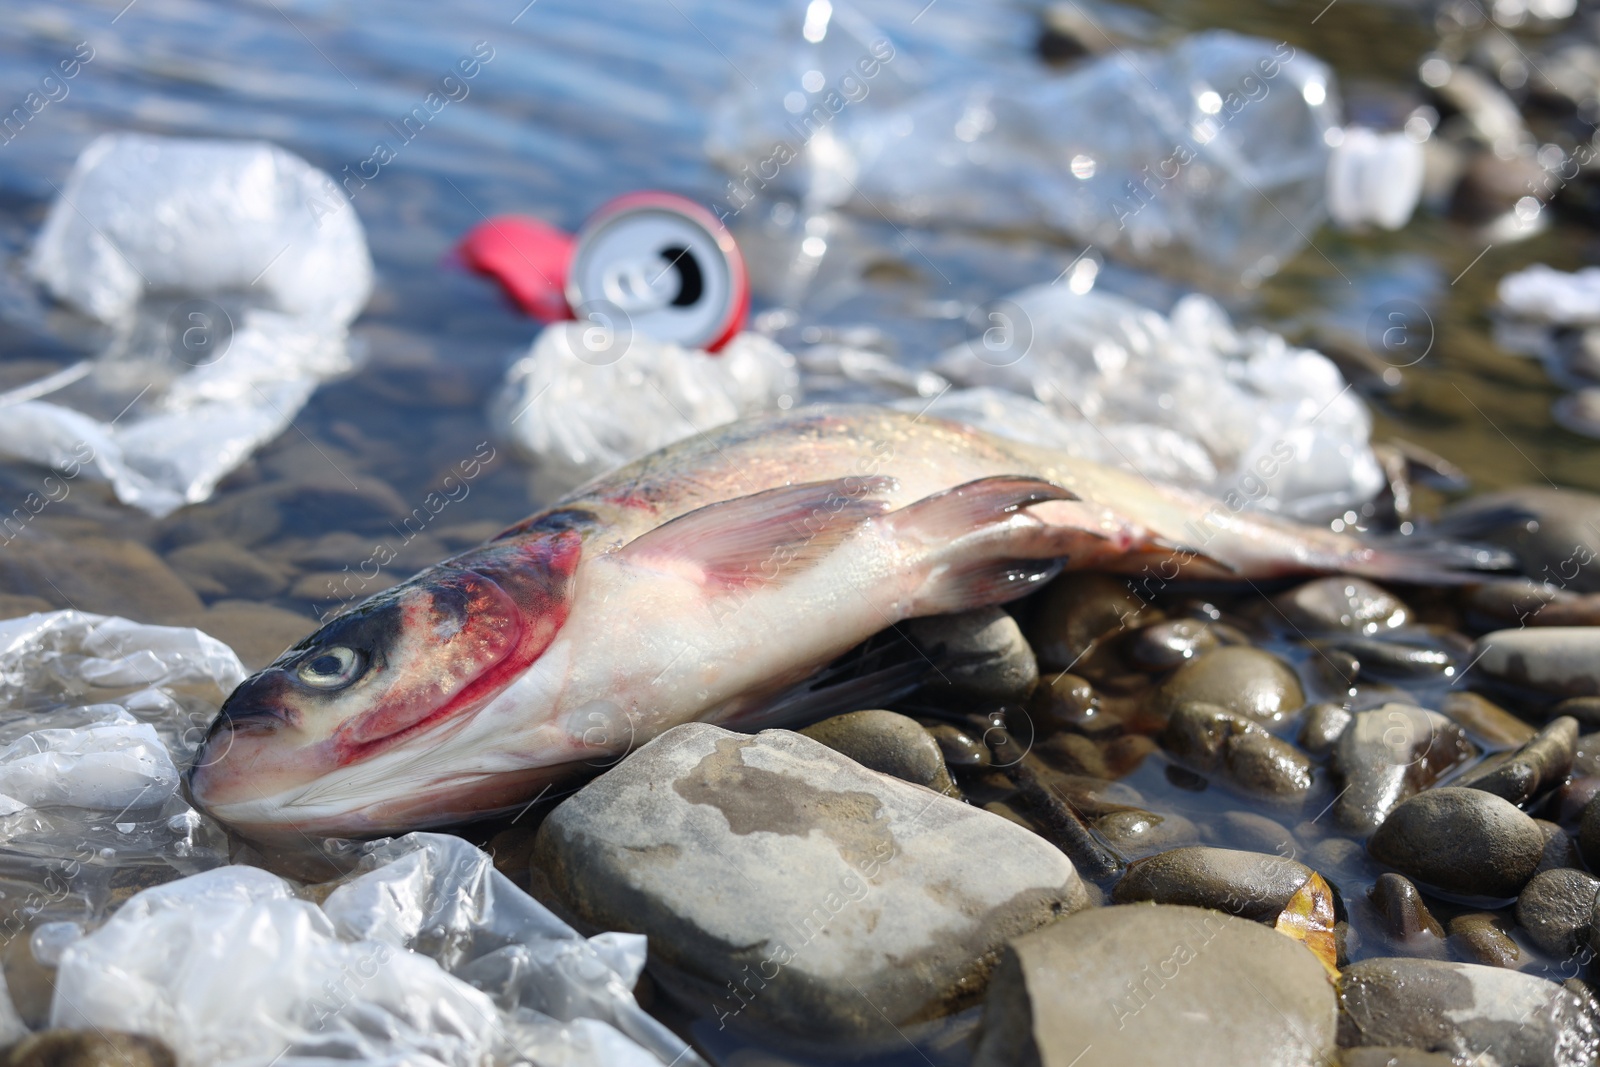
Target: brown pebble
(89, 1048)
(1485, 720)
(1068, 702)
(1406, 917)
(1074, 754)
(1480, 935)
(960, 747)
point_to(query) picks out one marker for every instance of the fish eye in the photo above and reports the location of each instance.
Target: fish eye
(331, 668)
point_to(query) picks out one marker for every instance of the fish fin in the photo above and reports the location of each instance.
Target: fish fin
(984, 582)
(880, 672)
(753, 540)
(950, 514)
(1427, 560)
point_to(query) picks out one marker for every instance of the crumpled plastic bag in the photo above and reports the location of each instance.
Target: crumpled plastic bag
(97, 716)
(1216, 149)
(1554, 296)
(585, 400)
(143, 218)
(1183, 397)
(229, 967)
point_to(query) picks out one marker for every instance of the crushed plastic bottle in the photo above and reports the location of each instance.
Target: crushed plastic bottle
(1539, 301)
(229, 966)
(1216, 150)
(587, 397)
(1184, 397)
(153, 236)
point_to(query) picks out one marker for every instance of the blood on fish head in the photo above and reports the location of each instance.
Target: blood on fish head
(398, 672)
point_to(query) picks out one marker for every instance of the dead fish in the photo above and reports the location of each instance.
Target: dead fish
(704, 581)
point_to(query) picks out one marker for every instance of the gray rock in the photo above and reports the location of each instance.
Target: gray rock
(960, 748)
(1246, 681)
(1157, 984)
(1352, 605)
(1589, 833)
(1557, 909)
(1480, 935)
(1486, 720)
(1323, 725)
(1078, 609)
(1537, 767)
(1562, 543)
(1560, 660)
(1165, 645)
(1465, 1010)
(1391, 1056)
(1251, 832)
(1386, 755)
(1406, 916)
(1212, 739)
(889, 742)
(1134, 833)
(1251, 885)
(786, 885)
(981, 655)
(97, 574)
(222, 568)
(1559, 848)
(1585, 709)
(88, 1048)
(1460, 841)
(1391, 659)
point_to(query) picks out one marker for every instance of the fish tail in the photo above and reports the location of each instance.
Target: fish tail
(1426, 560)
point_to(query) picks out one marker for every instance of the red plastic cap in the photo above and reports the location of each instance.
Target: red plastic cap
(528, 257)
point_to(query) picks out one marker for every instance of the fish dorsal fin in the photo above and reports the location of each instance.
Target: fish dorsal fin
(762, 538)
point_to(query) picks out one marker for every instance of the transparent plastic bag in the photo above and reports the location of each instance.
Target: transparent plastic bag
(1545, 294)
(230, 967)
(1173, 394)
(1216, 149)
(188, 389)
(585, 399)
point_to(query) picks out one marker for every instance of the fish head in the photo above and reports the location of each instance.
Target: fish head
(388, 678)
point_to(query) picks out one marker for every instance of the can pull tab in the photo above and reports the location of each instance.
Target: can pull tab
(640, 285)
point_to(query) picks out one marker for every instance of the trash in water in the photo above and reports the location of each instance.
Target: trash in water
(1219, 148)
(228, 271)
(663, 263)
(230, 966)
(1184, 397)
(97, 716)
(1556, 315)
(590, 396)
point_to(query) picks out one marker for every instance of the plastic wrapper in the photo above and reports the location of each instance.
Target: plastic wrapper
(1552, 296)
(1182, 397)
(586, 399)
(230, 967)
(185, 392)
(1216, 149)
(97, 716)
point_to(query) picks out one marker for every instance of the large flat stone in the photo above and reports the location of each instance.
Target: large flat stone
(783, 884)
(1158, 984)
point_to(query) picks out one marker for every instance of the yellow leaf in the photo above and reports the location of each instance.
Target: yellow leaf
(1308, 917)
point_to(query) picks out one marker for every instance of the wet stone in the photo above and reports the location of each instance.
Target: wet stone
(1251, 832)
(1166, 645)
(1406, 917)
(1251, 885)
(97, 574)
(1245, 681)
(889, 742)
(1460, 841)
(1559, 848)
(1351, 605)
(88, 1048)
(1556, 908)
(959, 747)
(1157, 984)
(222, 568)
(1135, 834)
(1322, 726)
(1386, 755)
(1068, 702)
(772, 867)
(1589, 833)
(257, 633)
(1486, 720)
(1585, 709)
(1537, 767)
(1211, 739)
(1466, 1010)
(1562, 543)
(1559, 660)
(13, 606)
(1395, 661)
(981, 654)
(1074, 754)
(1076, 610)
(1392, 1056)
(1481, 935)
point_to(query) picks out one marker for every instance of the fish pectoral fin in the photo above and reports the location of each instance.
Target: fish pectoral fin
(762, 538)
(957, 511)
